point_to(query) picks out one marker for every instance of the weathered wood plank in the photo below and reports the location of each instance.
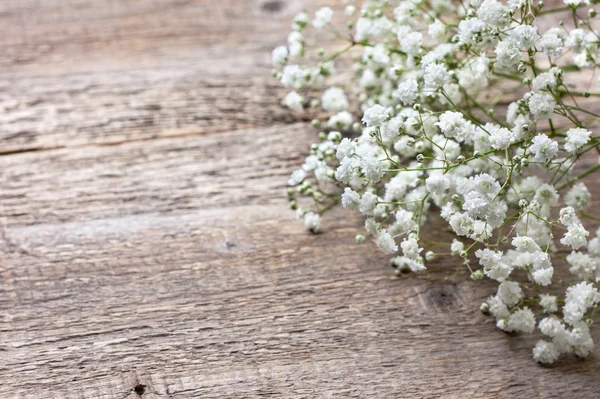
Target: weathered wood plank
(80, 72)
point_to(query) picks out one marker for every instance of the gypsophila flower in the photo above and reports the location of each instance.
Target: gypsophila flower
(334, 100)
(312, 221)
(545, 352)
(541, 105)
(435, 76)
(293, 100)
(279, 55)
(578, 197)
(375, 115)
(576, 138)
(456, 130)
(407, 91)
(543, 148)
(386, 243)
(322, 17)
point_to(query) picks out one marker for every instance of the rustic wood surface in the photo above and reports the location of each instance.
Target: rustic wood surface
(147, 249)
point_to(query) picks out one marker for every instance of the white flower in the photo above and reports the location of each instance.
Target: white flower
(410, 248)
(582, 265)
(551, 43)
(543, 277)
(279, 55)
(575, 237)
(407, 91)
(543, 148)
(334, 100)
(508, 54)
(341, 120)
(293, 101)
(453, 124)
(545, 81)
(525, 244)
(292, 76)
(375, 115)
(410, 43)
(579, 298)
(435, 76)
(350, 198)
(385, 242)
(524, 36)
(437, 30)
(372, 168)
(312, 221)
(568, 216)
(501, 138)
(576, 138)
(541, 105)
(549, 303)
(469, 29)
(437, 184)
(522, 320)
(576, 40)
(346, 148)
(457, 246)
(578, 197)
(297, 177)
(367, 203)
(494, 13)
(322, 17)
(545, 352)
(510, 292)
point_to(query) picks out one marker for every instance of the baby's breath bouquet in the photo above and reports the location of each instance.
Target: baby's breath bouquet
(476, 113)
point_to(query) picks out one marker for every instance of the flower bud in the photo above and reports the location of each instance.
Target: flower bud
(359, 238)
(540, 4)
(356, 127)
(420, 158)
(460, 159)
(477, 275)
(322, 136)
(430, 255)
(417, 107)
(484, 308)
(290, 192)
(523, 203)
(592, 13)
(463, 254)
(477, 154)
(524, 162)
(315, 123)
(293, 204)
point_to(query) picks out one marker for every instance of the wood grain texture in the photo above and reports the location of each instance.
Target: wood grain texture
(147, 249)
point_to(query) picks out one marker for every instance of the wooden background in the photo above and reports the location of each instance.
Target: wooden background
(147, 249)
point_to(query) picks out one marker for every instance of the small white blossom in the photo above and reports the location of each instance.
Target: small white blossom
(375, 115)
(334, 100)
(576, 138)
(407, 91)
(385, 242)
(435, 76)
(312, 221)
(322, 17)
(293, 101)
(543, 148)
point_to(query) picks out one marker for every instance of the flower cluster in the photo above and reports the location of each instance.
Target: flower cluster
(420, 130)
